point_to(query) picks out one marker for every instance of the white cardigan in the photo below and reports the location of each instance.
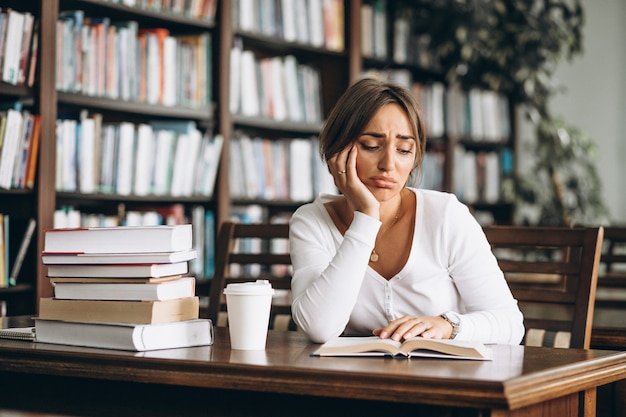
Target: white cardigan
(450, 268)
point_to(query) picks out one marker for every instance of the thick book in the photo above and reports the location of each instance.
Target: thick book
(122, 239)
(118, 271)
(105, 311)
(134, 337)
(126, 258)
(167, 290)
(417, 346)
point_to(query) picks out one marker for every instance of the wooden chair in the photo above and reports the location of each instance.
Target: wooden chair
(247, 252)
(552, 272)
(609, 326)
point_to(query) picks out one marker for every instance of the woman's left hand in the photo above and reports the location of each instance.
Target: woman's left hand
(406, 327)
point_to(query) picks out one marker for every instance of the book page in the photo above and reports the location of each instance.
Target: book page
(374, 346)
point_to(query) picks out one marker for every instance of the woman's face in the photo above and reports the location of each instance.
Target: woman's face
(386, 152)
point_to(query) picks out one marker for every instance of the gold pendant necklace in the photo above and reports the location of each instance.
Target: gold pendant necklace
(374, 256)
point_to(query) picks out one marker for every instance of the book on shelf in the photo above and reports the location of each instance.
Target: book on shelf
(12, 44)
(4, 250)
(123, 290)
(118, 270)
(118, 258)
(21, 252)
(106, 311)
(133, 337)
(417, 346)
(10, 136)
(165, 238)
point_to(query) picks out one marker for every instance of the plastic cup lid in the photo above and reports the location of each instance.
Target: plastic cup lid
(259, 287)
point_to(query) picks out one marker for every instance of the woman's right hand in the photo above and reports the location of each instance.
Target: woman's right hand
(358, 196)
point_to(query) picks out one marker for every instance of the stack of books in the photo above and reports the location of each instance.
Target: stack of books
(121, 288)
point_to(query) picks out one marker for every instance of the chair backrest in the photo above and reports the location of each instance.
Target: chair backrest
(613, 260)
(609, 326)
(247, 252)
(553, 273)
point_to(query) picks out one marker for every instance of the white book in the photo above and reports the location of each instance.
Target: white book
(108, 159)
(492, 177)
(68, 157)
(249, 86)
(437, 123)
(316, 23)
(170, 72)
(21, 148)
(12, 44)
(300, 170)
(121, 239)
(246, 15)
(166, 290)
(367, 19)
(120, 271)
(267, 96)
(234, 104)
(193, 149)
(290, 32)
(490, 115)
(278, 89)
(236, 178)
(133, 337)
(477, 130)
(323, 180)
(181, 159)
(294, 103)
(198, 217)
(301, 20)
(249, 167)
(213, 153)
(10, 147)
(401, 37)
(87, 163)
(380, 30)
(125, 258)
(125, 158)
(153, 82)
(164, 160)
(144, 160)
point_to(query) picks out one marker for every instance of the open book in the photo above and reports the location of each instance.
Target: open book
(417, 346)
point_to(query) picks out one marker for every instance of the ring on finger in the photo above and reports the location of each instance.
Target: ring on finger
(341, 172)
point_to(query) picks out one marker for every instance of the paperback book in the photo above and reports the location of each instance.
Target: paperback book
(417, 346)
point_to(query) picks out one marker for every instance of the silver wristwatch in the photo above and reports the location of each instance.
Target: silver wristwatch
(454, 320)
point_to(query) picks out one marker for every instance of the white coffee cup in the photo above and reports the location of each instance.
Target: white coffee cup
(248, 306)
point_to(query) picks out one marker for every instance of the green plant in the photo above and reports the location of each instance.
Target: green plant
(514, 46)
(565, 188)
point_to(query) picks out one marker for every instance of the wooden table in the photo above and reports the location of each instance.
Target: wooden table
(285, 380)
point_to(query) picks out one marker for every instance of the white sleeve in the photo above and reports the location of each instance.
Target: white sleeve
(327, 273)
(492, 314)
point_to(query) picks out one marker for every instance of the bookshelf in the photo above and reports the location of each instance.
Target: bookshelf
(336, 67)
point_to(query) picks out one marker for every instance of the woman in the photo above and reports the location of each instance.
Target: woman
(384, 258)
